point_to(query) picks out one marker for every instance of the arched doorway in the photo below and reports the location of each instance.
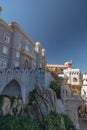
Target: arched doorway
(82, 117)
(12, 89)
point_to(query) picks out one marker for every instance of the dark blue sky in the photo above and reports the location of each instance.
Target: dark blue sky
(60, 26)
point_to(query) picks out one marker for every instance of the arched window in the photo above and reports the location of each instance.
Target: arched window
(26, 64)
(3, 64)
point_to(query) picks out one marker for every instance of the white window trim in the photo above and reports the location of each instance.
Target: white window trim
(27, 48)
(17, 54)
(5, 50)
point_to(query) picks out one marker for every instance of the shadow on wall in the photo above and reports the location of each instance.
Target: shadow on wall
(12, 89)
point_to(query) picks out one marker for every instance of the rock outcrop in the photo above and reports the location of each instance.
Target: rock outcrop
(6, 106)
(12, 106)
(45, 102)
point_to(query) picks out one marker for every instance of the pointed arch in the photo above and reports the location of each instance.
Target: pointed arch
(12, 89)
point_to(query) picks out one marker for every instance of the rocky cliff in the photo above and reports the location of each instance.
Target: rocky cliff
(41, 103)
(44, 102)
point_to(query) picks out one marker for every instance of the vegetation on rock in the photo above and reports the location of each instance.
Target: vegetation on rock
(68, 123)
(31, 96)
(53, 121)
(41, 103)
(56, 87)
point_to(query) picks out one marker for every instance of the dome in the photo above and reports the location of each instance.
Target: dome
(37, 43)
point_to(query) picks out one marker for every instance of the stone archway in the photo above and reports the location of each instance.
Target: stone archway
(13, 88)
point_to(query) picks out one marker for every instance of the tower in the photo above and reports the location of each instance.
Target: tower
(73, 80)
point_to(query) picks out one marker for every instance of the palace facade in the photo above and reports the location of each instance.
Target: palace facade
(18, 50)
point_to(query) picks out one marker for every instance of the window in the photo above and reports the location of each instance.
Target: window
(6, 39)
(77, 73)
(75, 79)
(5, 50)
(3, 63)
(17, 54)
(19, 45)
(74, 72)
(16, 64)
(26, 48)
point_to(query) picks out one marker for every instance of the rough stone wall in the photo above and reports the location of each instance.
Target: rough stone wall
(71, 104)
(26, 79)
(71, 107)
(19, 44)
(4, 56)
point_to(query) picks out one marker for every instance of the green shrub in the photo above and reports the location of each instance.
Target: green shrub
(52, 122)
(56, 88)
(68, 123)
(18, 123)
(31, 96)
